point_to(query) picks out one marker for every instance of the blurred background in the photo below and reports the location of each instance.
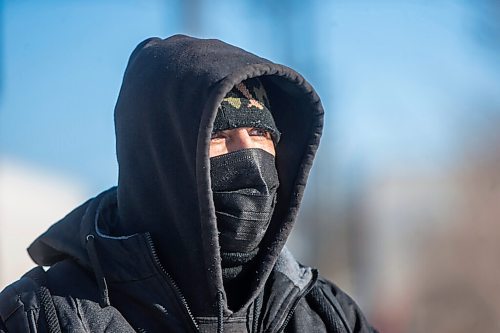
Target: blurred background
(403, 204)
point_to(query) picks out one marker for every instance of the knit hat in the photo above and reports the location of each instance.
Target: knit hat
(246, 105)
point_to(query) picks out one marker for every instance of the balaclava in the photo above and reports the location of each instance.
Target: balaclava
(244, 184)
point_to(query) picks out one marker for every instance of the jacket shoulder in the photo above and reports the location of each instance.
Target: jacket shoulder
(19, 303)
(72, 299)
(349, 312)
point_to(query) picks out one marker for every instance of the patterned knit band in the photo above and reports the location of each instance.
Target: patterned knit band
(246, 105)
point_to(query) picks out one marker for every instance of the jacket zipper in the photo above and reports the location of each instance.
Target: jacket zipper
(296, 302)
(174, 286)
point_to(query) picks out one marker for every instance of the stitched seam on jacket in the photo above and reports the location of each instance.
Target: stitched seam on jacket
(12, 313)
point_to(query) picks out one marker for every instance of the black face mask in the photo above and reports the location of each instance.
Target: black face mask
(244, 185)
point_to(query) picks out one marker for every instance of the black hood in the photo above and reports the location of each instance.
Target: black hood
(167, 104)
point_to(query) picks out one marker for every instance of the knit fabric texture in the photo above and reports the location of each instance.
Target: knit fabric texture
(246, 105)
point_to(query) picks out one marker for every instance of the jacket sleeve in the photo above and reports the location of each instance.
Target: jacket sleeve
(350, 311)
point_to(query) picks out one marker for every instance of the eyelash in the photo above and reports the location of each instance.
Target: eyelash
(216, 135)
(261, 132)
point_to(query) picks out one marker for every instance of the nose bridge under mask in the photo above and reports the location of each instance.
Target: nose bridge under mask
(252, 168)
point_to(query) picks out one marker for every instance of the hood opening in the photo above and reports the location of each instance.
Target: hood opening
(298, 114)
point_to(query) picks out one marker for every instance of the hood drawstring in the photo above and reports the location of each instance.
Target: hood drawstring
(96, 265)
(220, 314)
(330, 315)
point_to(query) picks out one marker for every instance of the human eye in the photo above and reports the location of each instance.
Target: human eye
(260, 132)
(219, 135)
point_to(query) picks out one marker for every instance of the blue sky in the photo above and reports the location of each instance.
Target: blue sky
(402, 83)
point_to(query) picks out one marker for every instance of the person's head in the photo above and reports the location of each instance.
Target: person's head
(243, 171)
(170, 187)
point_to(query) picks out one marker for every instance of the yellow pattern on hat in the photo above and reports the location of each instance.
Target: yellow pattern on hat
(233, 101)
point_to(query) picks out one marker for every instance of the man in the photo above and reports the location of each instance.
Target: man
(214, 146)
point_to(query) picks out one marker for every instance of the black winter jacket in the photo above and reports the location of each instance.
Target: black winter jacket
(144, 256)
